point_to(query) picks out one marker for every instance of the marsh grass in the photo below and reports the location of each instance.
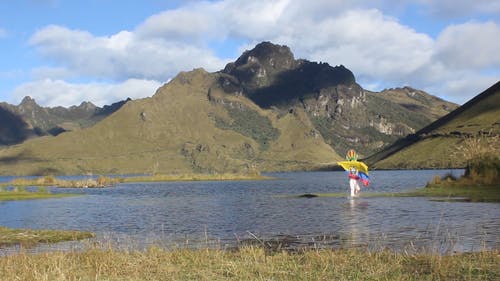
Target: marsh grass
(248, 263)
(50, 180)
(480, 182)
(196, 177)
(20, 184)
(29, 238)
(28, 195)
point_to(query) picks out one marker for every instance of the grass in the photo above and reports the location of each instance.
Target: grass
(195, 177)
(53, 181)
(101, 181)
(463, 192)
(26, 195)
(27, 238)
(248, 263)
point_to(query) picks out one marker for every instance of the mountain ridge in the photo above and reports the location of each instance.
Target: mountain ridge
(37, 121)
(214, 122)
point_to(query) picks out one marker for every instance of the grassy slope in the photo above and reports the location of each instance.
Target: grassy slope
(170, 132)
(417, 101)
(437, 144)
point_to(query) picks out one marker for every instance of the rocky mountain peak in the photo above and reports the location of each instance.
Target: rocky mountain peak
(269, 56)
(258, 67)
(28, 102)
(86, 105)
(270, 75)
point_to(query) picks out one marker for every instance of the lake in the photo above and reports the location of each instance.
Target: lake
(228, 213)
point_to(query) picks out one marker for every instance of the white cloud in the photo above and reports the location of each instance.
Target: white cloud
(463, 86)
(3, 33)
(188, 23)
(122, 55)
(48, 92)
(368, 43)
(379, 49)
(470, 45)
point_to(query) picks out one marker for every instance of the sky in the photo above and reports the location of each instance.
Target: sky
(64, 52)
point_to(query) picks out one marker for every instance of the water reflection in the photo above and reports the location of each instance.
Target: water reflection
(180, 213)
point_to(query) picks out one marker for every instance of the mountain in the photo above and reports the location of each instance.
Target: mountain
(266, 111)
(345, 114)
(440, 144)
(28, 119)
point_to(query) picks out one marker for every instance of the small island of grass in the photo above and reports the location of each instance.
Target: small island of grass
(27, 195)
(195, 177)
(30, 237)
(105, 181)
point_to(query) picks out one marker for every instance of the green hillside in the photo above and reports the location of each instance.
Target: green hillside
(442, 144)
(187, 126)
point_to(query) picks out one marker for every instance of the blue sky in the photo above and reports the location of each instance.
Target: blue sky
(64, 52)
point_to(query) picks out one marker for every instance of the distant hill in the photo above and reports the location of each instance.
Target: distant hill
(266, 111)
(28, 119)
(438, 144)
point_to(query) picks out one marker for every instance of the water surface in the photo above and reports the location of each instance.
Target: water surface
(180, 213)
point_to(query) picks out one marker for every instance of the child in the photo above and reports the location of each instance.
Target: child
(353, 173)
(353, 182)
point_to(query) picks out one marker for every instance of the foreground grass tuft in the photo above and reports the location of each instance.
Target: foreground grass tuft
(248, 263)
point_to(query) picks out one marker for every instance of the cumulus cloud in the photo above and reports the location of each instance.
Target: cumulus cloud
(121, 55)
(368, 43)
(380, 50)
(470, 45)
(50, 92)
(462, 86)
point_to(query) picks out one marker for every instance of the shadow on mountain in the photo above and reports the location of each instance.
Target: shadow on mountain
(13, 129)
(293, 85)
(21, 156)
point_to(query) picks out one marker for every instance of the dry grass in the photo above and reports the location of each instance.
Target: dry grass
(248, 263)
(101, 181)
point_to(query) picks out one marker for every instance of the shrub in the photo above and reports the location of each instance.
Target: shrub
(49, 180)
(484, 170)
(434, 181)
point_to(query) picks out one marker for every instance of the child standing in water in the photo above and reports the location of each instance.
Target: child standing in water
(353, 174)
(353, 182)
